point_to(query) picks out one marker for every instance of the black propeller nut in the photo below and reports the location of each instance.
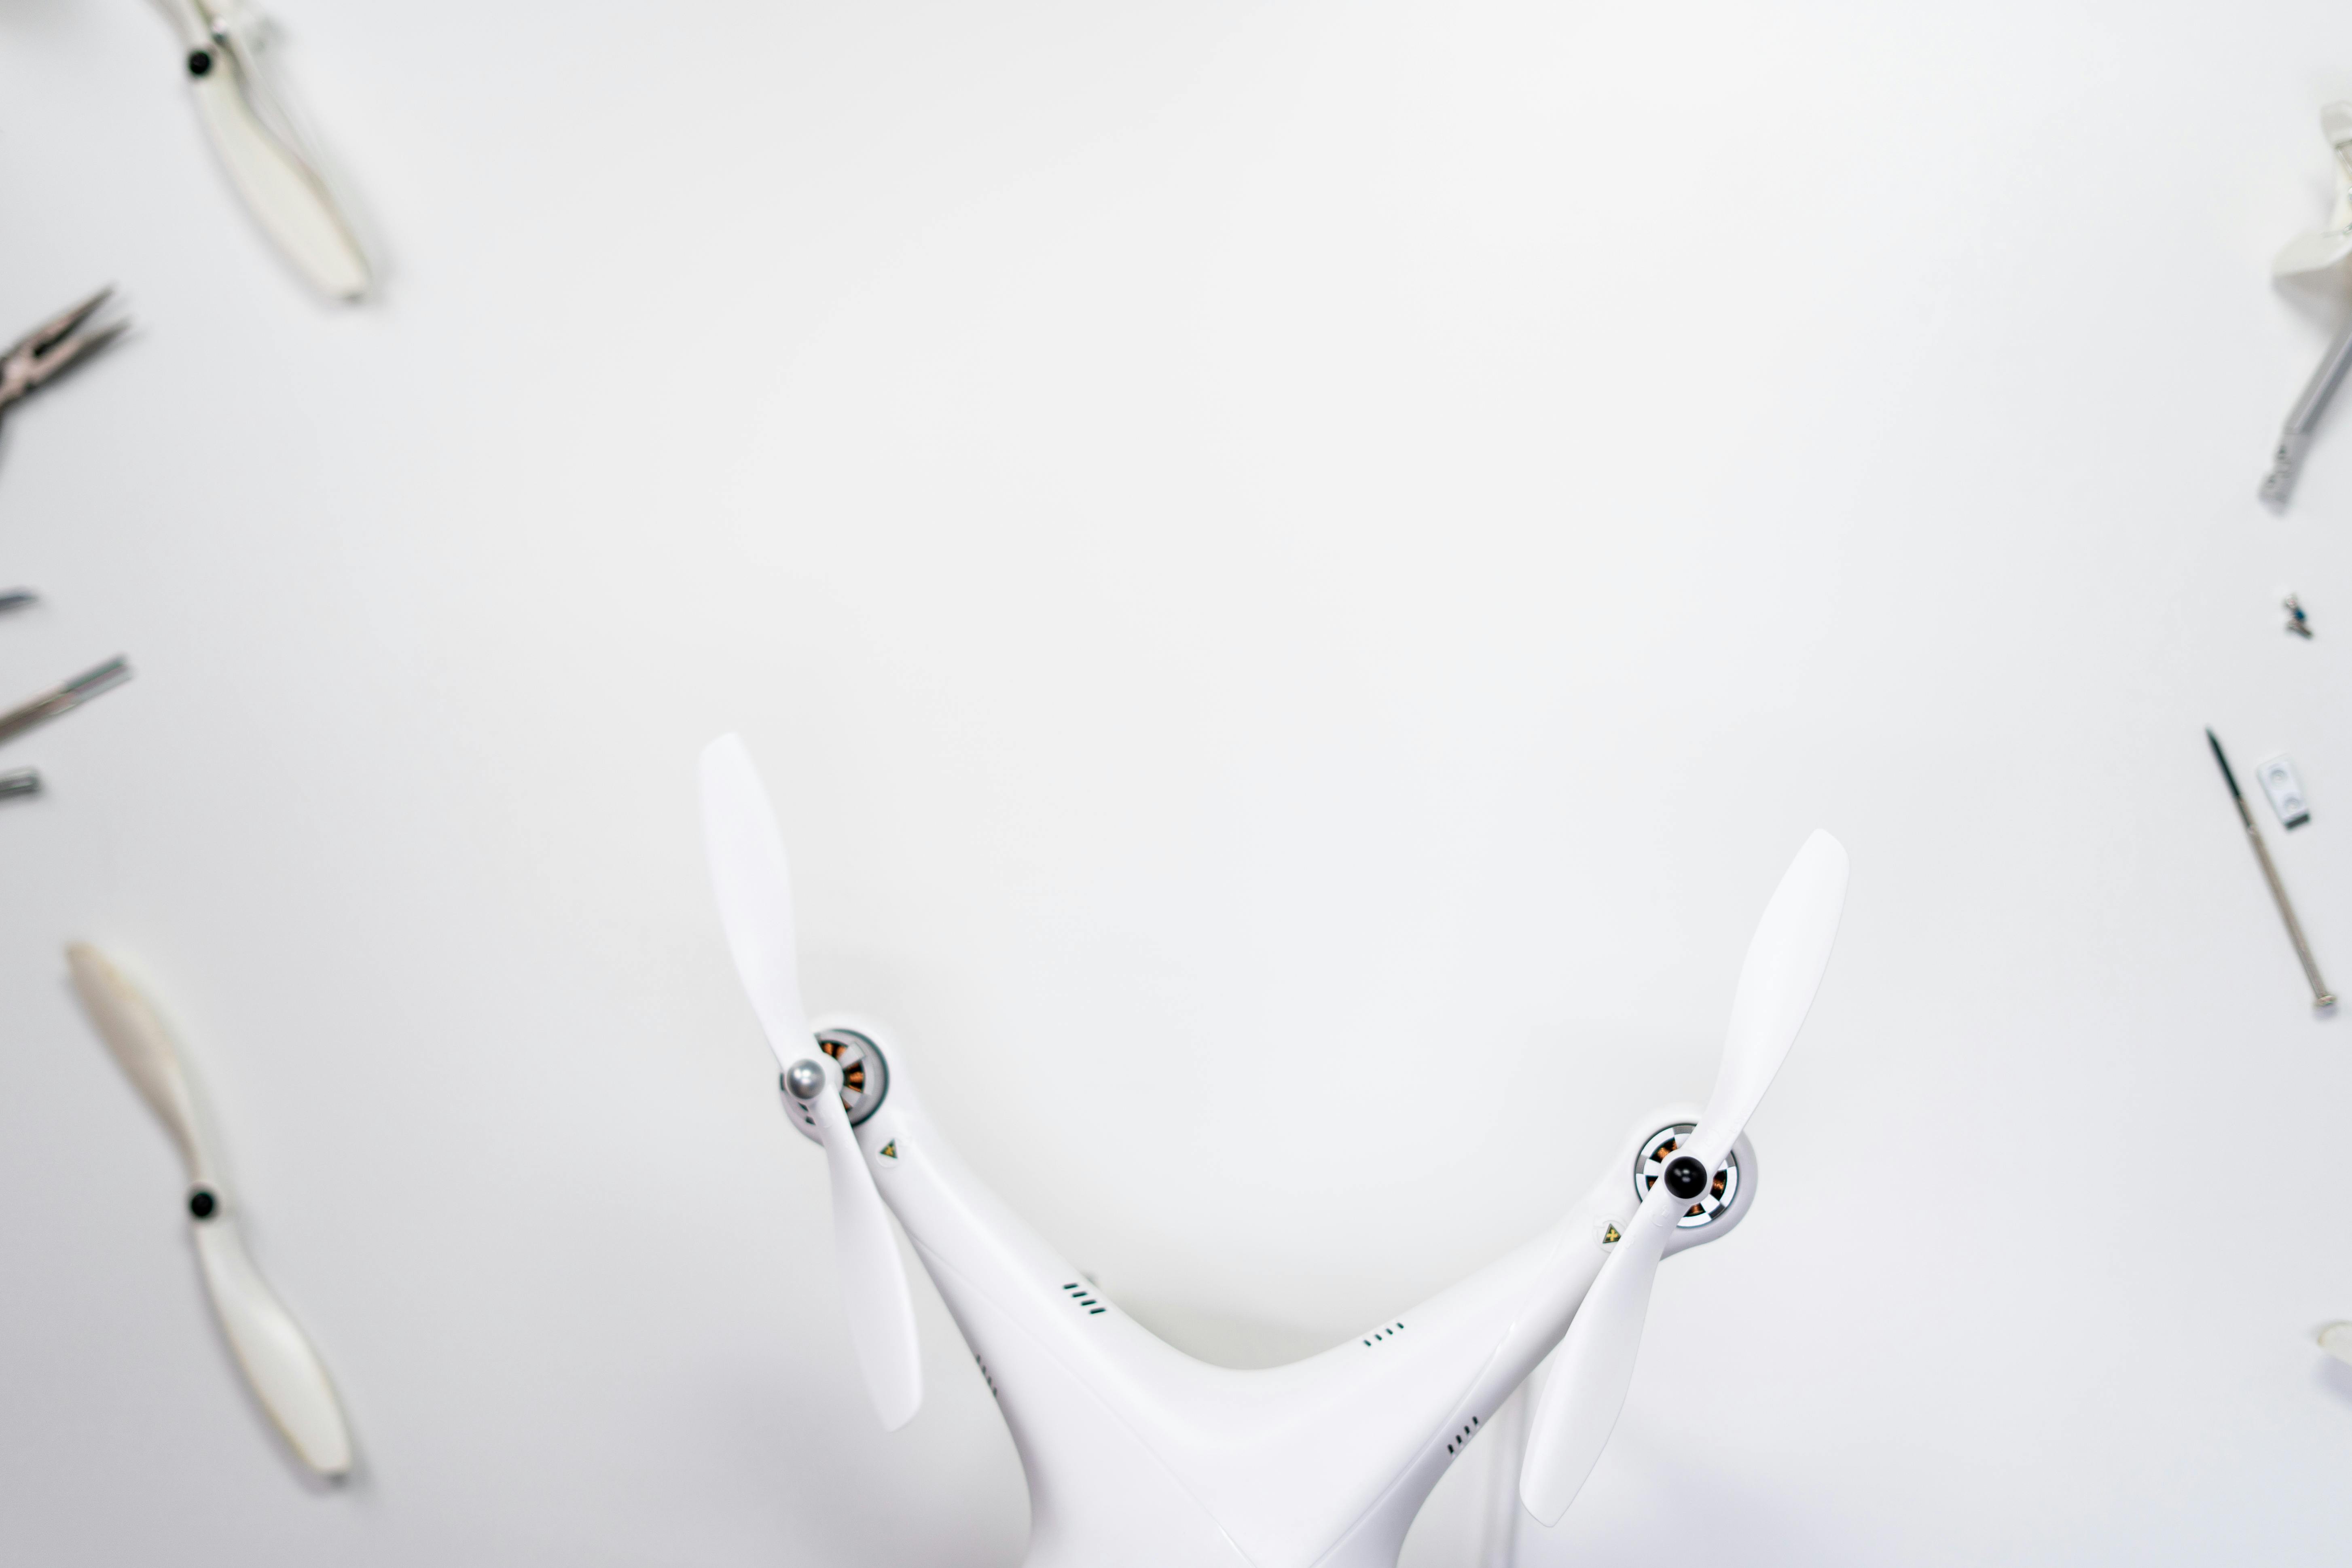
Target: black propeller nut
(1685, 1177)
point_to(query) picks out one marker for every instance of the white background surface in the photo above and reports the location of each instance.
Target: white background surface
(1298, 571)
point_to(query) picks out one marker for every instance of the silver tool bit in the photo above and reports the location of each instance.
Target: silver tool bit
(2294, 435)
(64, 698)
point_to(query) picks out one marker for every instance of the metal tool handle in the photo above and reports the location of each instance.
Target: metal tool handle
(64, 698)
(2321, 996)
(2294, 435)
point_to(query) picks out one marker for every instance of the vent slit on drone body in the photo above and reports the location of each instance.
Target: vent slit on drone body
(1380, 1334)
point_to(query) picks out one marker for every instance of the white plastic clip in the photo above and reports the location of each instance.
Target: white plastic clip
(2317, 252)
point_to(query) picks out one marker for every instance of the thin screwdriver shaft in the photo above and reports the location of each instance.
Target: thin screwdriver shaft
(2294, 435)
(64, 698)
(2321, 996)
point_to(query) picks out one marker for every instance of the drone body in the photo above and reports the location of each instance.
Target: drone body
(1140, 1456)
(1137, 1454)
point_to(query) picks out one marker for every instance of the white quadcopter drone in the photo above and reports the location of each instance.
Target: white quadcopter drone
(1135, 1453)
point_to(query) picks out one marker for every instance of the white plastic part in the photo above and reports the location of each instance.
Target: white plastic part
(285, 195)
(2317, 252)
(285, 1371)
(753, 883)
(1137, 1455)
(1500, 1510)
(1786, 959)
(279, 1361)
(136, 1038)
(2336, 1338)
(261, 146)
(873, 1275)
(1586, 1391)
(2286, 791)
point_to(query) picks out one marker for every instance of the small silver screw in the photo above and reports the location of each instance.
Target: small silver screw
(806, 1080)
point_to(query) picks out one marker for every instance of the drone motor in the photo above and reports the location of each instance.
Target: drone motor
(865, 1076)
(1709, 1196)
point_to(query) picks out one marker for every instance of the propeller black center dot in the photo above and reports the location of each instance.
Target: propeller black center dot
(201, 1203)
(1685, 1177)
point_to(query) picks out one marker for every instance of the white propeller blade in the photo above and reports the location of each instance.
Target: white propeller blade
(752, 882)
(1777, 982)
(1595, 1365)
(264, 162)
(873, 1276)
(278, 1361)
(1587, 1390)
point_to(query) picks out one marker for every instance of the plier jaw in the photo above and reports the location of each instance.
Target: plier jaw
(55, 345)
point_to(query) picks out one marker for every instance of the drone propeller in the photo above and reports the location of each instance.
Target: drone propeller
(1595, 1365)
(753, 884)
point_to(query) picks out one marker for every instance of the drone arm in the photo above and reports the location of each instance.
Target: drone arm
(1113, 1426)
(1514, 1309)
(1136, 1453)
(1072, 1374)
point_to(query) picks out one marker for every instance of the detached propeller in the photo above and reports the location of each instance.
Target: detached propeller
(1586, 1391)
(753, 884)
(276, 1358)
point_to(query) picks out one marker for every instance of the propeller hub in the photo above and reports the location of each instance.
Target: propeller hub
(1659, 1150)
(1685, 1177)
(804, 1080)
